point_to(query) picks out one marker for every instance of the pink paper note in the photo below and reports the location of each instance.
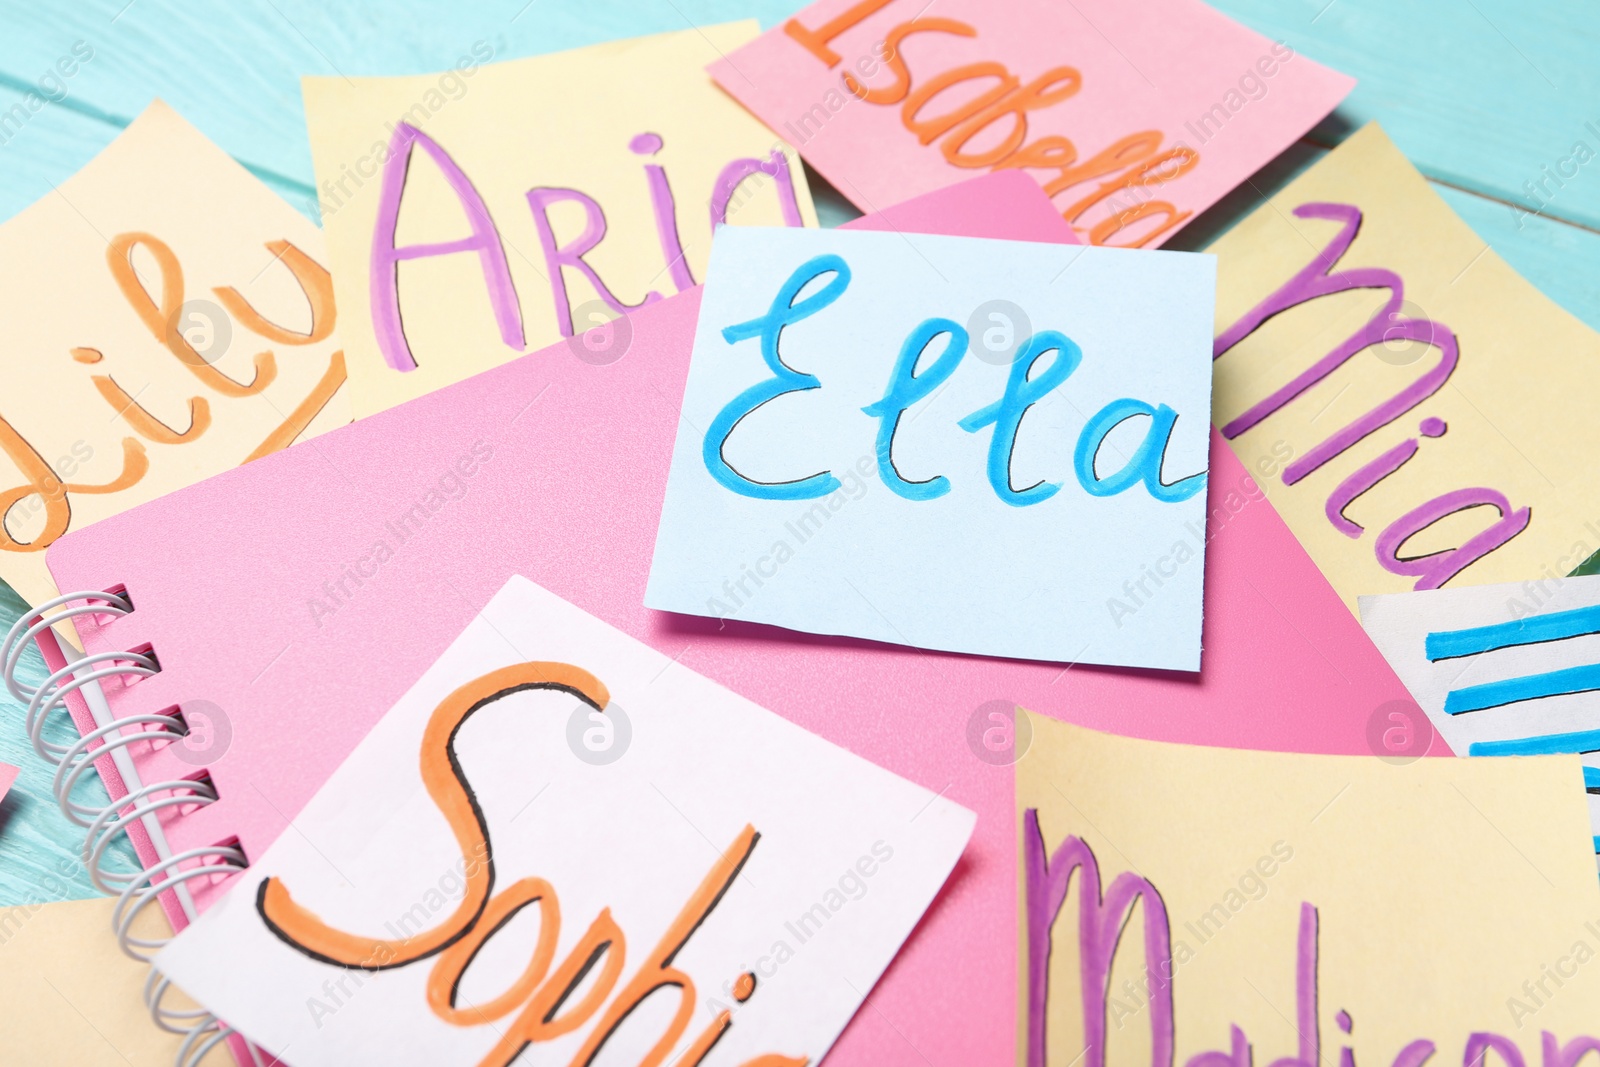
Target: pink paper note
(8, 775)
(1135, 117)
(264, 593)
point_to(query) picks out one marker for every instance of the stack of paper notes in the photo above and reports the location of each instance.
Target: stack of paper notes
(571, 607)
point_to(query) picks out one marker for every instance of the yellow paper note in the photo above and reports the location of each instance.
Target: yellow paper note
(70, 994)
(491, 210)
(167, 317)
(1280, 908)
(1412, 406)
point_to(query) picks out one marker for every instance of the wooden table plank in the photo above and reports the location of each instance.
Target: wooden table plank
(1478, 93)
(233, 69)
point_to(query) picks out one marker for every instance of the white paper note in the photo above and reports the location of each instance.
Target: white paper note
(717, 873)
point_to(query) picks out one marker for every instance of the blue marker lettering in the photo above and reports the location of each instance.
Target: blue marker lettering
(1022, 392)
(1145, 465)
(785, 379)
(906, 387)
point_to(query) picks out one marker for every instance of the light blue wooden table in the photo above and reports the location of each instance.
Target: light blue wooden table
(1481, 94)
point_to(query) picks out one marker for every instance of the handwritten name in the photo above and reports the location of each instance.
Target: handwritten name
(165, 316)
(1319, 278)
(547, 998)
(484, 240)
(1102, 915)
(1023, 389)
(1129, 167)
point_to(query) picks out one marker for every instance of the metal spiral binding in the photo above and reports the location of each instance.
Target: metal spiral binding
(134, 890)
(110, 822)
(193, 1051)
(172, 1020)
(193, 1023)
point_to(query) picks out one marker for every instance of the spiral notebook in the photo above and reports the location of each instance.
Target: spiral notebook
(288, 604)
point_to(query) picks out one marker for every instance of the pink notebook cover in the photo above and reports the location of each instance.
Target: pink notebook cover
(262, 592)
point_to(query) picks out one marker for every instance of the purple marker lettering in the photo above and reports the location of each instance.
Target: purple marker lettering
(1415, 1054)
(1241, 1056)
(666, 211)
(1101, 917)
(1345, 493)
(1437, 568)
(1555, 1055)
(1370, 475)
(1480, 1044)
(1347, 1055)
(1319, 278)
(386, 255)
(1307, 1022)
(775, 166)
(558, 257)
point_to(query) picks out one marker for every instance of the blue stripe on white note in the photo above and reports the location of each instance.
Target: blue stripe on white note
(1556, 626)
(1543, 745)
(1528, 687)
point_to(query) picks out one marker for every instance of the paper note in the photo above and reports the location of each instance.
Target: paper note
(1134, 117)
(945, 442)
(555, 804)
(495, 208)
(70, 994)
(1216, 907)
(1398, 387)
(1502, 670)
(167, 317)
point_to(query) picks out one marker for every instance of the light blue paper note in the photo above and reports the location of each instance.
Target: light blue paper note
(946, 442)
